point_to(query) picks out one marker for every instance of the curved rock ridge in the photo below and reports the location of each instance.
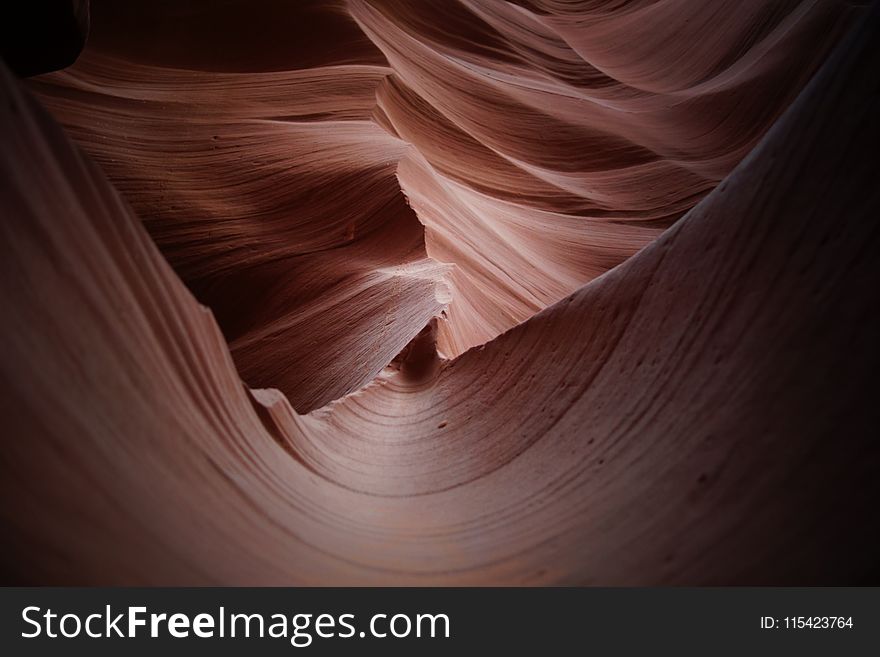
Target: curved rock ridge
(700, 414)
(275, 197)
(538, 147)
(559, 141)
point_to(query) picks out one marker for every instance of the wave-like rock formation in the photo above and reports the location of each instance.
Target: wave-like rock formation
(436, 240)
(538, 149)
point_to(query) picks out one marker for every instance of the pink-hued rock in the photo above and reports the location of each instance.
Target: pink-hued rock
(700, 414)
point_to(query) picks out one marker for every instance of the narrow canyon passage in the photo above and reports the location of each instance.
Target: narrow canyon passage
(644, 268)
(479, 160)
